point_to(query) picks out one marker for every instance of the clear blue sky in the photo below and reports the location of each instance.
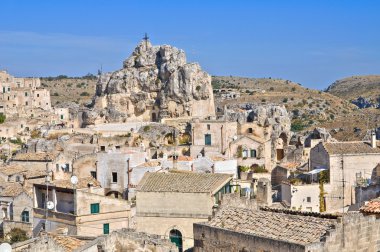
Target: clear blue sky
(311, 42)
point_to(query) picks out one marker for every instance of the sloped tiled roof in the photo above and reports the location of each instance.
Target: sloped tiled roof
(182, 182)
(68, 243)
(66, 183)
(371, 207)
(38, 156)
(297, 229)
(28, 172)
(336, 148)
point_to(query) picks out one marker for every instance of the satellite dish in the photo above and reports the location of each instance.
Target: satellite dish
(50, 205)
(74, 180)
(5, 247)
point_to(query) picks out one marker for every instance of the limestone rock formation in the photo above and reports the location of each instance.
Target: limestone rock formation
(154, 83)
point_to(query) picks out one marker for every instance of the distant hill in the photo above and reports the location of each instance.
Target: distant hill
(367, 86)
(309, 108)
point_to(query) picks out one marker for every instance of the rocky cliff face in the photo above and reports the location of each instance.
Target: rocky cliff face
(155, 82)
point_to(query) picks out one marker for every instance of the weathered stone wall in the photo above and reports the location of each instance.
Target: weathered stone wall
(208, 238)
(361, 233)
(222, 133)
(128, 240)
(353, 164)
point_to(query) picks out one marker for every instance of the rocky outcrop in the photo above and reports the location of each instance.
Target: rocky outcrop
(155, 82)
(274, 116)
(363, 102)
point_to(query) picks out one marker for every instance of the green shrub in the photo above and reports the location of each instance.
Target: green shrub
(84, 94)
(285, 100)
(17, 235)
(2, 118)
(297, 126)
(16, 141)
(146, 128)
(198, 88)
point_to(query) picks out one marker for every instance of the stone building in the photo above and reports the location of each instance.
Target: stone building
(241, 229)
(22, 95)
(82, 209)
(16, 203)
(250, 151)
(348, 161)
(210, 137)
(168, 204)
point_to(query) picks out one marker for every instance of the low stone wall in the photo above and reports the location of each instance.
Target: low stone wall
(8, 225)
(128, 240)
(208, 238)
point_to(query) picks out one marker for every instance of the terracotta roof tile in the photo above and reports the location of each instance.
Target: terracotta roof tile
(297, 229)
(336, 148)
(182, 182)
(371, 207)
(40, 156)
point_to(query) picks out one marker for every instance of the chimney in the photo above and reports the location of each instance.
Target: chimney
(373, 139)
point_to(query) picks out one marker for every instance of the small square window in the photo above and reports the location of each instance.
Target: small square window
(25, 216)
(102, 148)
(95, 208)
(38, 95)
(93, 174)
(208, 127)
(114, 177)
(106, 228)
(308, 199)
(250, 130)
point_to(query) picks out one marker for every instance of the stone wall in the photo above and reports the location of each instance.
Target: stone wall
(128, 240)
(208, 238)
(361, 233)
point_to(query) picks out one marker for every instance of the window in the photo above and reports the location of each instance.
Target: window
(114, 177)
(26, 103)
(308, 199)
(253, 153)
(208, 127)
(26, 94)
(93, 174)
(95, 208)
(9, 89)
(102, 148)
(25, 216)
(245, 153)
(57, 167)
(61, 117)
(17, 178)
(117, 147)
(38, 95)
(250, 130)
(207, 139)
(106, 228)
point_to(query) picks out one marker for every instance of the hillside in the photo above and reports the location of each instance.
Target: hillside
(351, 88)
(309, 108)
(70, 89)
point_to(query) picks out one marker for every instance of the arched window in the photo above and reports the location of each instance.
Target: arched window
(176, 237)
